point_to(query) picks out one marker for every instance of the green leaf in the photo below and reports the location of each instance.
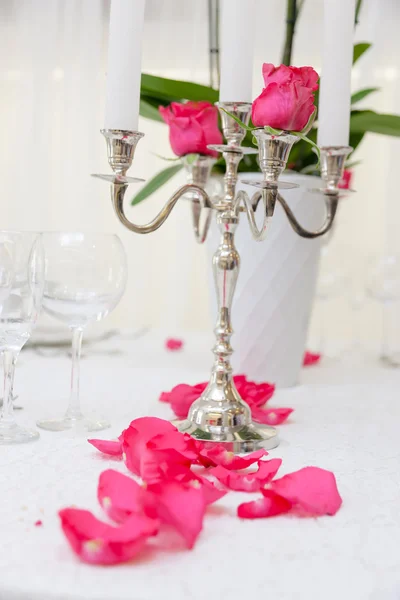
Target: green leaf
(352, 164)
(355, 139)
(359, 50)
(309, 141)
(310, 121)
(245, 127)
(358, 96)
(272, 131)
(156, 182)
(175, 159)
(376, 123)
(173, 90)
(191, 158)
(148, 111)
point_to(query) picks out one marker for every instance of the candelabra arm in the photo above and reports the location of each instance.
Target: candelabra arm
(268, 197)
(331, 201)
(200, 233)
(198, 172)
(117, 196)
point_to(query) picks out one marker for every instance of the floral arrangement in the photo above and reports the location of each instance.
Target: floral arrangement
(172, 481)
(285, 101)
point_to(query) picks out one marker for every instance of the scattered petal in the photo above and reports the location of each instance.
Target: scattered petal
(271, 416)
(311, 358)
(119, 495)
(146, 458)
(248, 482)
(173, 344)
(139, 432)
(96, 542)
(182, 396)
(218, 455)
(110, 447)
(174, 448)
(269, 505)
(211, 492)
(38, 523)
(311, 489)
(148, 427)
(180, 505)
(255, 394)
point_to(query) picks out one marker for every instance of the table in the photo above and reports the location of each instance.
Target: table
(346, 419)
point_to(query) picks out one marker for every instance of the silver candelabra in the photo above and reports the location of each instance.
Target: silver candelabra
(220, 414)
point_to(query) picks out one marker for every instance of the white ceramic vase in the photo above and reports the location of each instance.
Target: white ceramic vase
(276, 286)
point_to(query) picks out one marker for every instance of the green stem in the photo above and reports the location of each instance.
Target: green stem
(358, 8)
(291, 16)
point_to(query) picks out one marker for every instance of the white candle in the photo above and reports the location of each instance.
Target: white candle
(237, 46)
(337, 57)
(124, 64)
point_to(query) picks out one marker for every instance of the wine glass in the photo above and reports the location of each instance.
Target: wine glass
(21, 290)
(85, 278)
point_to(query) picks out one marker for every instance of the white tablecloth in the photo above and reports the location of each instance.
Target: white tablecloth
(347, 419)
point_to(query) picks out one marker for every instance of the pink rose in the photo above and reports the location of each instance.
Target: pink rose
(192, 126)
(287, 100)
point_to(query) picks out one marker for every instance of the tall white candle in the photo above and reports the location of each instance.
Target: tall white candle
(337, 56)
(237, 45)
(124, 64)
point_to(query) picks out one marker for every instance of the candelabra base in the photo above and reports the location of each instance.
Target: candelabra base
(241, 441)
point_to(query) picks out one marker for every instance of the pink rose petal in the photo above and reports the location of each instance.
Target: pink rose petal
(211, 492)
(96, 542)
(268, 506)
(38, 523)
(173, 344)
(271, 416)
(164, 397)
(218, 455)
(248, 482)
(119, 495)
(109, 447)
(311, 358)
(255, 394)
(182, 396)
(147, 459)
(139, 432)
(180, 505)
(311, 489)
(148, 427)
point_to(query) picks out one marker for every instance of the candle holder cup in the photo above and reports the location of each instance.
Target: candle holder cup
(220, 415)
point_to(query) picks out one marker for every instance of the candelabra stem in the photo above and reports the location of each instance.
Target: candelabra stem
(226, 264)
(220, 415)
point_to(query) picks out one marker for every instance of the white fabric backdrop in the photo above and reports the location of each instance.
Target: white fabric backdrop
(52, 80)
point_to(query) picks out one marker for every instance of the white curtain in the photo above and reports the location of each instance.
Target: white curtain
(52, 78)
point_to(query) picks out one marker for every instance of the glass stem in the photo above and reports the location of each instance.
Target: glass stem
(74, 407)
(9, 362)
